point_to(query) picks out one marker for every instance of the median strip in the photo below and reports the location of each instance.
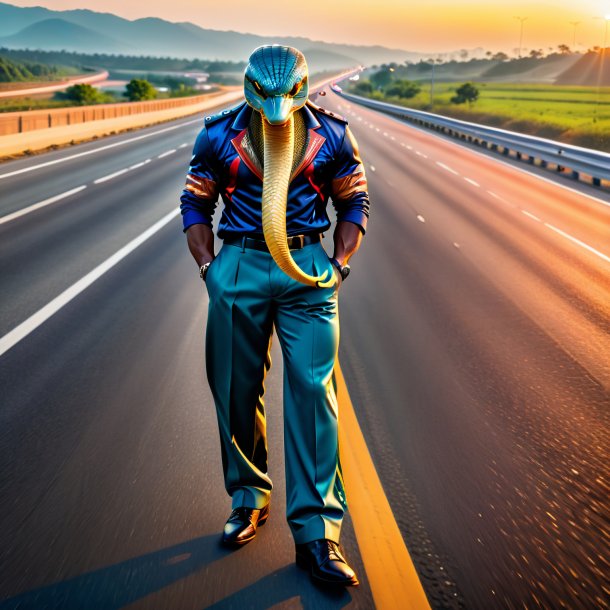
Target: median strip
(389, 568)
(41, 204)
(42, 315)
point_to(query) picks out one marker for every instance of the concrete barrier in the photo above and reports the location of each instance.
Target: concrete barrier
(89, 121)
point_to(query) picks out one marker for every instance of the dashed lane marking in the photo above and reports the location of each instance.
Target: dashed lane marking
(141, 164)
(530, 215)
(447, 168)
(166, 153)
(41, 204)
(111, 176)
(473, 182)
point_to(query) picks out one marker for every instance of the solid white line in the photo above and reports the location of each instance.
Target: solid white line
(141, 164)
(40, 204)
(449, 169)
(530, 215)
(96, 150)
(42, 315)
(166, 153)
(582, 244)
(471, 181)
(111, 176)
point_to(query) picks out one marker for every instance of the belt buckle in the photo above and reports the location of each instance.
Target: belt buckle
(297, 242)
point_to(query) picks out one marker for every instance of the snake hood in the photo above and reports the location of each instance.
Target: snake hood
(276, 86)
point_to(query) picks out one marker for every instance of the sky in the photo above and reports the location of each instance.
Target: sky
(427, 26)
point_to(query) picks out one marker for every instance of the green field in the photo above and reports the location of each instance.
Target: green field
(576, 115)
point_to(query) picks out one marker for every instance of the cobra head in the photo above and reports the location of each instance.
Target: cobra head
(275, 82)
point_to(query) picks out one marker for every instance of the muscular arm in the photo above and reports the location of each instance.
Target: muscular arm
(347, 238)
(200, 240)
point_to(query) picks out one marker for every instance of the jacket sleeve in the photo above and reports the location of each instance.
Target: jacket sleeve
(349, 189)
(200, 194)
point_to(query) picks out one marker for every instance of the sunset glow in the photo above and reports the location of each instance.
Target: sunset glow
(433, 26)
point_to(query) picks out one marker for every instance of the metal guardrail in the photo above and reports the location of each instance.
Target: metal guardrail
(581, 161)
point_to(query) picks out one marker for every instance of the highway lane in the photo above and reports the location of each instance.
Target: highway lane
(478, 361)
(474, 345)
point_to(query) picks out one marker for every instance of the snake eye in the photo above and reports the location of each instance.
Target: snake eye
(258, 88)
(297, 87)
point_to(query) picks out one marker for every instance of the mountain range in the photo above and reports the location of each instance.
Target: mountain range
(88, 31)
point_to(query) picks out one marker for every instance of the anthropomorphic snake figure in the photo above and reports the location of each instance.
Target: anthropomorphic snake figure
(276, 85)
(276, 160)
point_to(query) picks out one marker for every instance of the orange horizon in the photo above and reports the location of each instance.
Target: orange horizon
(436, 27)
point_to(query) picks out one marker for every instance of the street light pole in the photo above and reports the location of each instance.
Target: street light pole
(522, 20)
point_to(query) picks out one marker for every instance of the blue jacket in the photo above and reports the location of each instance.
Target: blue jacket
(221, 165)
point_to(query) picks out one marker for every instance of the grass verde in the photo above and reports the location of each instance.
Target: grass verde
(572, 114)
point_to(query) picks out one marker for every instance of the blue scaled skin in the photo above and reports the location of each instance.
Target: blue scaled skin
(276, 82)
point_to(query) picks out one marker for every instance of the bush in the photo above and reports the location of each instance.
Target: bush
(465, 93)
(139, 89)
(403, 88)
(83, 94)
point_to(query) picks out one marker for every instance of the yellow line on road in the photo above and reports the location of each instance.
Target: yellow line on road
(389, 568)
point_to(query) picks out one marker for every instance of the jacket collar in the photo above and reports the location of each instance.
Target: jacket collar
(245, 111)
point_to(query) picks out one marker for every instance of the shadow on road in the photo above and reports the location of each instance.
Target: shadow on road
(124, 583)
(280, 586)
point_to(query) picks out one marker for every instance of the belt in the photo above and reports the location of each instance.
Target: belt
(295, 242)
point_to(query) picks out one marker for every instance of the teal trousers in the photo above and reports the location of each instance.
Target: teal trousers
(249, 295)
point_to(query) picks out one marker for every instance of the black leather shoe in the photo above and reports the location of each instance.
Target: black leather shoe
(323, 560)
(241, 525)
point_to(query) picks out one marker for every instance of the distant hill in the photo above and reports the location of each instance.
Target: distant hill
(90, 32)
(590, 70)
(20, 71)
(57, 34)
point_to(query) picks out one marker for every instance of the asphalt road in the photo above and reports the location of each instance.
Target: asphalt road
(475, 342)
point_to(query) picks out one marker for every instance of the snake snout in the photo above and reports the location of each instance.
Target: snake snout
(276, 109)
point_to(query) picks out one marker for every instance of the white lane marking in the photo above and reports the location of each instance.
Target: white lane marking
(582, 244)
(184, 145)
(166, 153)
(456, 245)
(40, 204)
(372, 168)
(449, 169)
(385, 133)
(421, 218)
(111, 176)
(495, 196)
(471, 181)
(421, 154)
(392, 138)
(409, 147)
(31, 168)
(141, 164)
(530, 215)
(377, 129)
(42, 315)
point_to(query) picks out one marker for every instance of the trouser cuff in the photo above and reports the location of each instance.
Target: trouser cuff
(250, 497)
